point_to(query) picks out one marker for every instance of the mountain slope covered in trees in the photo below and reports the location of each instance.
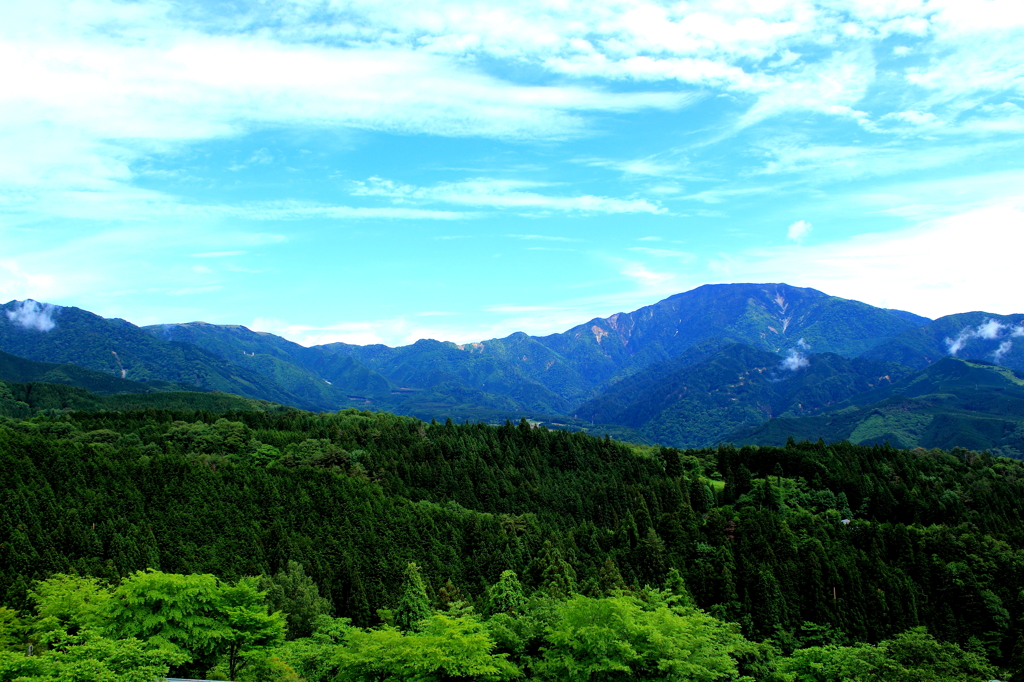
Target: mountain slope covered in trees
(953, 403)
(698, 398)
(688, 371)
(806, 543)
(55, 334)
(972, 336)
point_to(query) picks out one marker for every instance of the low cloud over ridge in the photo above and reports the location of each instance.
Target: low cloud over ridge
(31, 314)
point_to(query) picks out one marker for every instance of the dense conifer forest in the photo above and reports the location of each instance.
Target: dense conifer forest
(359, 545)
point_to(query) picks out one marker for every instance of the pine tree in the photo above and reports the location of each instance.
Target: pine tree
(558, 579)
(413, 605)
(675, 584)
(294, 593)
(506, 595)
(609, 579)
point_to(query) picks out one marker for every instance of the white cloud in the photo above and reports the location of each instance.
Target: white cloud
(218, 254)
(94, 86)
(16, 283)
(501, 194)
(31, 314)
(794, 360)
(261, 156)
(300, 210)
(798, 230)
(938, 268)
(819, 164)
(655, 166)
(645, 277)
(990, 329)
(664, 253)
(192, 291)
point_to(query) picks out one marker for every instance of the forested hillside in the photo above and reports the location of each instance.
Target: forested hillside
(13, 368)
(806, 544)
(54, 334)
(706, 394)
(973, 336)
(952, 403)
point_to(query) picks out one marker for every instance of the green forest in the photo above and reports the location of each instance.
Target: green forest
(188, 535)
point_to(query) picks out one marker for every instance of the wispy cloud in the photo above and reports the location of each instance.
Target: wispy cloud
(644, 276)
(31, 314)
(542, 237)
(501, 194)
(664, 253)
(218, 254)
(660, 165)
(299, 210)
(192, 291)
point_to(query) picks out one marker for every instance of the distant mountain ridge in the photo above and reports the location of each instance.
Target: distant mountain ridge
(974, 336)
(564, 370)
(53, 334)
(756, 352)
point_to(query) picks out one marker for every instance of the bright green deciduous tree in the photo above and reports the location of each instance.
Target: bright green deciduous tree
(445, 649)
(619, 637)
(12, 629)
(913, 655)
(198, 615)
(88, 656)
(69, 603)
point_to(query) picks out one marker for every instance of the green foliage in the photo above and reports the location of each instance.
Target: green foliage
(951, 403)
(122, 350)
(506, 595)
(413, 605)
(445, 648)
(593, 639)
(12, 629)
(20, 370)
(913, 655)
(87, 656)
(294, 593)
(197, 616)
(934, 538)
(69, 604)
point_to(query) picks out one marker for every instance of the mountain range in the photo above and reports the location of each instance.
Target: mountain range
(723, 362)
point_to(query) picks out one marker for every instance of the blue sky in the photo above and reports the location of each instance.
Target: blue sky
(387, 170)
